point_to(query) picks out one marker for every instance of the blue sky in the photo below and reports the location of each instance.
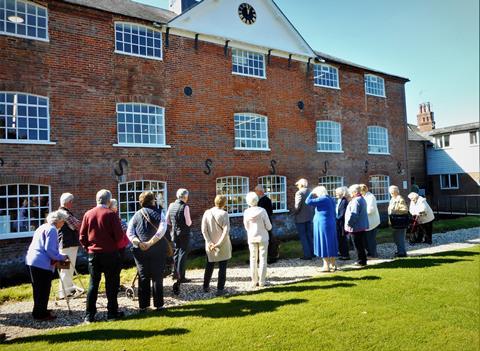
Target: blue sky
(435, 43)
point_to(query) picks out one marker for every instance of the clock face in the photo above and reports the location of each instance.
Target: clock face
(247, 13)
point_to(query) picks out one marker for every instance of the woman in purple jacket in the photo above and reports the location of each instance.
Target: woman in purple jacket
(41, 256)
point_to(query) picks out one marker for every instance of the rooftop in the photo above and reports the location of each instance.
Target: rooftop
(457, 128)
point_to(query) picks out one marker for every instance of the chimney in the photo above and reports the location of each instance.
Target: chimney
(425, 119)
(179, 6)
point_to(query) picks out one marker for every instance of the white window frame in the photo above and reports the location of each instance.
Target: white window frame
(331, 183)
(28, 233)
(240, 54)
(332, 127)
(320, 70)
(146, 28)
(238, 132)
(15, 118)
(375, 131)
(148, 115)
(440, 142)
(276, 181)
(25, 20)
(129, 214)
(374, 85)
(449, 185)
(242, 183)
(384, 196)
(473, 132)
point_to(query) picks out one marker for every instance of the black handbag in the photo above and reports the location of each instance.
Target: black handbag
(399, 221)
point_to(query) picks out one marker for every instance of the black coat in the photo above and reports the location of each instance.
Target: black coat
(266, 203)
(342, 208)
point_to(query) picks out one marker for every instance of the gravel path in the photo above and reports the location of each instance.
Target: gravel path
(16, 321)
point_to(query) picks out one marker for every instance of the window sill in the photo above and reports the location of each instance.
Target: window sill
(383, 201)
(150, 146)
(5, 236)
(380, 96)
(331, 151)
(27, 142)
(326, 86)
(141, 56)
(379, 153)
(251, 149)
(248, 75)
(47, 40)
(443, 148)
(280, 211)
(235, 215)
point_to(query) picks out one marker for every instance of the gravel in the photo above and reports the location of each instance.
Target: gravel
(16, 320)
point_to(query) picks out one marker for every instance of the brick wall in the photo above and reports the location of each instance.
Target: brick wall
(416, 163)
(78, 70)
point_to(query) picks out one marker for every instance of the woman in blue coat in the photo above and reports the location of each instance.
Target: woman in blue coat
(325, 243)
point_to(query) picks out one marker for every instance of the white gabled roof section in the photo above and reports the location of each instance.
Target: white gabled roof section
(218, 20)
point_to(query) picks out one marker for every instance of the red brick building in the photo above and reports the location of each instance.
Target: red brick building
(127, 97)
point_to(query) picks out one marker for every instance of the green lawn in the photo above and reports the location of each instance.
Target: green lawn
(418, 303)
(289, 249)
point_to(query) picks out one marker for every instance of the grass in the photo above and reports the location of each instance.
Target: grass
(289, 249)
(418, 303)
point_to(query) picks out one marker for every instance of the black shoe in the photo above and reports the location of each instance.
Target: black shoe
(206, 289)
(88, 319)
(306, 258)
(176, 288)
(429, 242)
(220, 292)
(400, 255)
(344, 258)
(360, 264)
(185, 280)
(272, 261)
(118, 315)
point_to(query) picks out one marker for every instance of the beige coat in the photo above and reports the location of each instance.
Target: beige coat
(216, 230)
(397, 206)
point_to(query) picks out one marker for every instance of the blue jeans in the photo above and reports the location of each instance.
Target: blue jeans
(305, 232)
(399, 239)
(371, 242)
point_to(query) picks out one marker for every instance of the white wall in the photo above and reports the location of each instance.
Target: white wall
(460, 157)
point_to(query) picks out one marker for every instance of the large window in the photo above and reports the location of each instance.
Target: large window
(140, 124)
(449, 181)
(24, 19)
(235, 189)
(23, 208)
(379, 187)
(377, 140)
(374, 85)
(251, 131)
(24, 117)
(326, 76)
(276, 189)
(329, 136)
(138, 40)
(442, 141)
(129, 192)
(248, 63)
(331, 183)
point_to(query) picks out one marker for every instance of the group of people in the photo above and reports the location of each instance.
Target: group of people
(325, 228)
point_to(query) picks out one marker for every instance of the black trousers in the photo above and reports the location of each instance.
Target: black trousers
(150, 266)
(425, 230)
(358, 239)
(180, 253)
(110, 265)
(342, 240)
(41, 284)
(222, 274)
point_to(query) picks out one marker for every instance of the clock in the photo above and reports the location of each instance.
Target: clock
(247, 13)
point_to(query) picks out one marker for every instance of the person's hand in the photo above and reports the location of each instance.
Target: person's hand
(211, 246)
(143, 246)
(135, 242)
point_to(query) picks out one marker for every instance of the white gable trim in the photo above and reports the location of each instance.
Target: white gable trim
(186, 25)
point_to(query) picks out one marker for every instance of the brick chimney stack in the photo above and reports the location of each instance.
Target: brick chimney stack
(425, 119)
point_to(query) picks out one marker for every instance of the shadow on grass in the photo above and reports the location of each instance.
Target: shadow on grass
(100, 335)
(456, 254)
(416, 262)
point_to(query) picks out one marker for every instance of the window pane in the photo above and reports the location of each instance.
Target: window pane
(248, 63)
(248, 131)
(132, 39)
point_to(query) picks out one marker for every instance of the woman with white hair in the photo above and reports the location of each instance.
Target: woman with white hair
(325, 243)
(356, 222)
(424, 215)
(42, 254)
(398, 217)
(257, 225)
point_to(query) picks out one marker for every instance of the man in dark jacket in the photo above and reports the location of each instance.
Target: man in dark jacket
(303, 218)
(265, 203)
(69, 244)
(178, 216)
(100, 234)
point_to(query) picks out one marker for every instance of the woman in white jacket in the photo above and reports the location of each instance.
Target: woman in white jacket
(257, 225)
(373, 221)
(420, 208)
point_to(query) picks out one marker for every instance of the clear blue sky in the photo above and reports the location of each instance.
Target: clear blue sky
(435, 43)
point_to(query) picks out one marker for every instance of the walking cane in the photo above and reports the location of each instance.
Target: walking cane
(67, 299)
